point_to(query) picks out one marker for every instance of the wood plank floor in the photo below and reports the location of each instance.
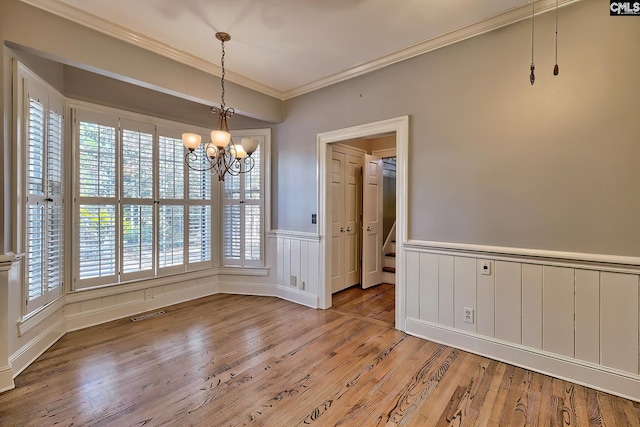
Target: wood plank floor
(231, 360)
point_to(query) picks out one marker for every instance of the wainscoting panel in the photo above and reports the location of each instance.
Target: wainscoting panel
(428, 292)
(298, 262)
(508, 315)
(558, 310)
(464, 291)
(576, 319)
(532, 305)
(588, 315)
(619, 322)
(445, 290)
(486, 296)
(413, 260)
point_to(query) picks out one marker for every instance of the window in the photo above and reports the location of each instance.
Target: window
(44, 181)
(243, 212)
(171, 214)
(96, 200)
(136, 208)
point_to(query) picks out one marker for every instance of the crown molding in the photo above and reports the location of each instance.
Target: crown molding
(97, 23)
(463, 33)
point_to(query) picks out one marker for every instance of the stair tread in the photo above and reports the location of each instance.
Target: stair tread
(391, 254)
(389, 269)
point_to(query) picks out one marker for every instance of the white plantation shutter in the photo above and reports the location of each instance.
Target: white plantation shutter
(97, 241)
(242, 214)
(44, 215)
(137, 238)
(171, 168)
(171, 212)
(137, 164)
(232, 232)
(199, 232)
(55, 207)
(36, 147)
(137, 201)
(171, 232)
(35, 200)
(35, 251)
(96, 211)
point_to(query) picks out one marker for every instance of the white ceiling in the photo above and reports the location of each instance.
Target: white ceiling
(288, 47)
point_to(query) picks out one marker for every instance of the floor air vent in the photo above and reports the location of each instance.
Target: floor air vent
(147, 316)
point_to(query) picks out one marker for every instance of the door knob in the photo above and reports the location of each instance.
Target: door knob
(369, 228)
(342, 229)
(348, 229)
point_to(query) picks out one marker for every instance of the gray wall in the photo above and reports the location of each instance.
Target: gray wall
(493, 160)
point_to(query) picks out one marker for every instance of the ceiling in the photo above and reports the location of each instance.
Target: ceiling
(288, 47)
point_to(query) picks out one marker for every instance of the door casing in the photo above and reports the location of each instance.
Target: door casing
(399, 126)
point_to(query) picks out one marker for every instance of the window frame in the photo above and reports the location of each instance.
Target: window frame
(264, 139)
(27, 87)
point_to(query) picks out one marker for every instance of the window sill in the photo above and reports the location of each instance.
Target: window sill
(40, 315)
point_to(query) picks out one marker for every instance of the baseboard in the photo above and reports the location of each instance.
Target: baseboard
(270, 290)
(29, 352)
(247, 288)
(584, 373)
(297, 296)
(107, 314)
(6, 379)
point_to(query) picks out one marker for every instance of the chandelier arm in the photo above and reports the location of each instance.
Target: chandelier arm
(191, 157)
(223, 112)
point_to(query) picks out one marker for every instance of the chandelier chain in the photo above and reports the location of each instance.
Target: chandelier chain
(222, 76)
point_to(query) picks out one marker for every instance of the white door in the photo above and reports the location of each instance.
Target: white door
(337, 222)
(345, 220)
(352, 210)
(372, 222)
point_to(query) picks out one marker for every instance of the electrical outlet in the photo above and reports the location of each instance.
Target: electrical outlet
(148, 294)
(302, 286)
(314, 218)
(485, 268)
(468, 315)
(294, 281)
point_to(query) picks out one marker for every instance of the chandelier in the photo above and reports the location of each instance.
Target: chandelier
(222, 154)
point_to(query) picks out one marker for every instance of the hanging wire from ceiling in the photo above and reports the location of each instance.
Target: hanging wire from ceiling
(532, 76)
(556, 68)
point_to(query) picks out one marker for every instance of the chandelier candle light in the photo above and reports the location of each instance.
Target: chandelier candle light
(221, 152)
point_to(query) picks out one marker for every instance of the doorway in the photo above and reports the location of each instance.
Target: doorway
(400, 128)
(363, 198)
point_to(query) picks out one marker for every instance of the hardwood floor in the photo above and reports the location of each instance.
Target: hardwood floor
(231, 360)
(374, 304)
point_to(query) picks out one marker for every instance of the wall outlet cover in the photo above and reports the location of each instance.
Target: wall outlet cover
(468, 315)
